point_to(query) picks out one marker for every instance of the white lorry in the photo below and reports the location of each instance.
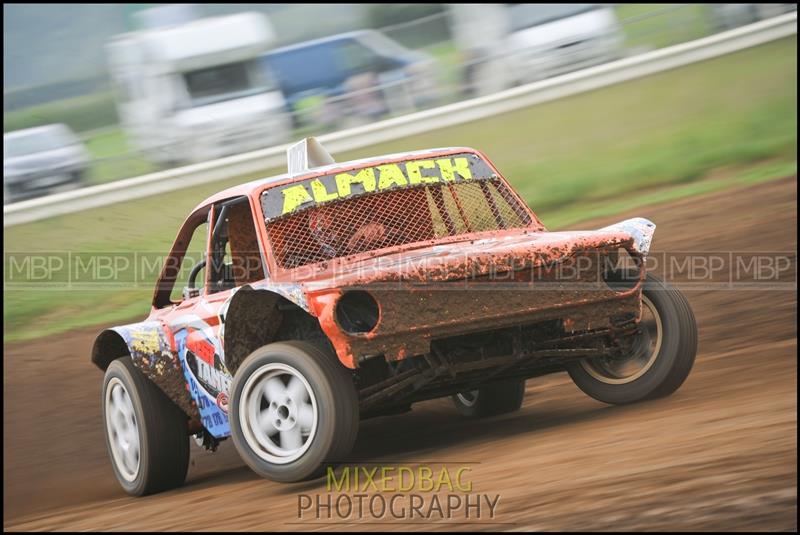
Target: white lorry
(194, 91)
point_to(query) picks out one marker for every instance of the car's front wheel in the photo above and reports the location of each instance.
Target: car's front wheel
(661, 357)
(294, 409)
(146, 434)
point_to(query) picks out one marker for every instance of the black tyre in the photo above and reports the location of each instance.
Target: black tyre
(662, 355)
(492, 399)
(293, 411)
(146, 433)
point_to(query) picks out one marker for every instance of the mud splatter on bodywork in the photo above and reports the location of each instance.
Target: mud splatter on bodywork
(153, 351)
(507, 278)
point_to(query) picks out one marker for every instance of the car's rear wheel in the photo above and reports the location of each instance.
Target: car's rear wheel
(492, 399)
(294, 410)
(146, 433)
(661, 357)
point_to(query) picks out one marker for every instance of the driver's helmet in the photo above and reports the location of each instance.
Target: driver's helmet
(320, 225)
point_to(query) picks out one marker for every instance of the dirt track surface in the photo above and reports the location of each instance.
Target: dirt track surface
(721, 453)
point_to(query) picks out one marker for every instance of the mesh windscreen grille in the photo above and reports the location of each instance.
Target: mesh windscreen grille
(397, 217)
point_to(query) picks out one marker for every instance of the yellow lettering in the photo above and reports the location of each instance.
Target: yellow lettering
(449, 170)
(320, 193)
(390, 175)
(405, 470)
(414, 168)
(425, 476)
(463, 487)
(386, 479)
(370, 475)
(344, 483)
(293, 197)
(444, 479)
(365, 177)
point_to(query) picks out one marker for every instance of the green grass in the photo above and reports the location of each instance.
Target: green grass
(653, 139)
(107, 142)
(113, 157)
(81, 114)
(745, 176)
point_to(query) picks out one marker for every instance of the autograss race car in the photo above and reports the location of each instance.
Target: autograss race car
(340, 291)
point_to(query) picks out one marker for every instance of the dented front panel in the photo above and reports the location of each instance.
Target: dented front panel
(487, 283)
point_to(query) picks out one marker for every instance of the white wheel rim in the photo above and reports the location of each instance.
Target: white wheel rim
(617, 371)
(468, 398)
(122, 429)
(278, 413)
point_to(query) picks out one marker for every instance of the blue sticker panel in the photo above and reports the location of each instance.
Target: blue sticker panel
(212, 416)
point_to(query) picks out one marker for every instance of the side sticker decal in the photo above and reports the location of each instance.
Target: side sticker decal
(205, 372)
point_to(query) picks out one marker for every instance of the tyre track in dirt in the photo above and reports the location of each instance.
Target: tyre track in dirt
(721, 453)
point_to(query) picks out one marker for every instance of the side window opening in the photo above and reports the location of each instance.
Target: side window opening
(235, 254)
(186, 254)
(195, 253)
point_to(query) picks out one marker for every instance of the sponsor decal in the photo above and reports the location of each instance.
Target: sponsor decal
(205, 363)
(290, 198)
(201, 346)
(205, 372)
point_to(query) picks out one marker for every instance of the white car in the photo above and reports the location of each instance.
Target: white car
(530, 42)
(550, 39)
(38, 160)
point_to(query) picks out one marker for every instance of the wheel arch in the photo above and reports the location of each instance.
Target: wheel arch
(257, 316)
(152, 351)
(108, 347)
